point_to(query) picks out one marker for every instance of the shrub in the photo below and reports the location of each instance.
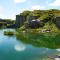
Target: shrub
(8, 33)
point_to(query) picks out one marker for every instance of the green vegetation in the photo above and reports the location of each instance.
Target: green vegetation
(4, 23)
(41, 14)
(9, 33)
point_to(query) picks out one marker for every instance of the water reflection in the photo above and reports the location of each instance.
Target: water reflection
(19, 47)
(48, 40)
(58, 50)
(29, 46)
(48, 44)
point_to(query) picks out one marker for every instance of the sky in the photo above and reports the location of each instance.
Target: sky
(10, 8)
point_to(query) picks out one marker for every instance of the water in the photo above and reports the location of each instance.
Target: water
(12, 48)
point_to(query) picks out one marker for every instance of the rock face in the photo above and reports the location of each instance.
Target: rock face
(19, 20)
(35, 23)
(32, 18)
(58, 22)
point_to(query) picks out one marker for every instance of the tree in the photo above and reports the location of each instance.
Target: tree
(51, 18)
(25, 13)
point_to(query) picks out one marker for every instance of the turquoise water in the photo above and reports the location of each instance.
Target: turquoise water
(13, 49)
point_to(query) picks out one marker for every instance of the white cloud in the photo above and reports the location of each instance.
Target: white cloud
(55, 3)
(19, 1)
(37, 7)
(2, 9)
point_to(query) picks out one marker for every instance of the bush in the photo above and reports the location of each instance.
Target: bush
(8, 33)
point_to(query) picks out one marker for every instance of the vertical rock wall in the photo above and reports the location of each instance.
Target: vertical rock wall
(19, 20)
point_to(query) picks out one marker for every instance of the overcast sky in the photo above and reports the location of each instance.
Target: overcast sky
(9, 8)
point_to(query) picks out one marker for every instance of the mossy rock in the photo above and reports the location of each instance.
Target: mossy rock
(10, 33)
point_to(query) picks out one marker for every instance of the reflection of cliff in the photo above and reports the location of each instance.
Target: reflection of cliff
(57, 39)
(40, 40)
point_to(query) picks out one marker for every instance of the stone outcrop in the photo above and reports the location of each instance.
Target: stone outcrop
(19, 20)
(57, 22)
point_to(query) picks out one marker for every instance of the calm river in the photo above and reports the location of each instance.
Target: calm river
(13, 49)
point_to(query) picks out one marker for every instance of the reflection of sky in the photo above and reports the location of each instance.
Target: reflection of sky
(11, 49)
(19, 47)
(58, 50)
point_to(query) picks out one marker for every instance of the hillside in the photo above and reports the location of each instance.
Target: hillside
(41, 14)
(48, 16)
